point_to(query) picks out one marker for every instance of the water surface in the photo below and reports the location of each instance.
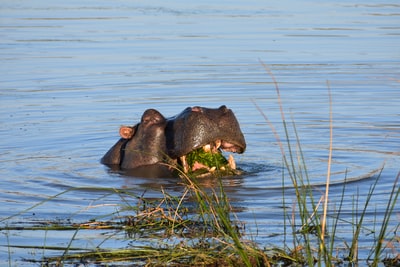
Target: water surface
(72, 72)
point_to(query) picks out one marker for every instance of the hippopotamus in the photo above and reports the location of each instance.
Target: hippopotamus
(158, 146)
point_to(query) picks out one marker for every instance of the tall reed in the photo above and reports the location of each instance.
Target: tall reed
(378, 249)
(296, 167)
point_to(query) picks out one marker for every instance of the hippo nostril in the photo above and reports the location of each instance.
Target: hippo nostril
(197, 109)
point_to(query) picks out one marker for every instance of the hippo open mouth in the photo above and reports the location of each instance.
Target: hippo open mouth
(208, 160)
(192, 140)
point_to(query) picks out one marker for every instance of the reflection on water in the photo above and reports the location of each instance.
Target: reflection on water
(73, 72)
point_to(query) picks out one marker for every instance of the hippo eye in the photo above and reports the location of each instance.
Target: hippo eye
(152, 120)
(148, 120)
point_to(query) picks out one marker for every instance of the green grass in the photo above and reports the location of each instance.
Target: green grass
(200, 228)
(204, 228)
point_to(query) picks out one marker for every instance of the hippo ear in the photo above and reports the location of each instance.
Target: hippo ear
(127, 132)
(224, 108)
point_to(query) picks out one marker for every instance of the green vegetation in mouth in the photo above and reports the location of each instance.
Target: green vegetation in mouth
(208, 159)
(206, 162)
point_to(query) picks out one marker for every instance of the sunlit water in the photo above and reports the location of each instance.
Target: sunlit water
(73, 72)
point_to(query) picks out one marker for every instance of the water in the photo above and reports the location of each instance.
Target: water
(74, 71)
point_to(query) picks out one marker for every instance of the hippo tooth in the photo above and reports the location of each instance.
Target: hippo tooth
(184, 164)
(207, 148)
(212, 169)
(217, 144)
(231, 162)
(212, 147)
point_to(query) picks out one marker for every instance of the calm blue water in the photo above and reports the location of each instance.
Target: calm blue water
(72, 72)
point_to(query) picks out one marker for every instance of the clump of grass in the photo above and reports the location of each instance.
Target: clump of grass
(215, 210)
(196, 228)
(206, 158)
(208, 162)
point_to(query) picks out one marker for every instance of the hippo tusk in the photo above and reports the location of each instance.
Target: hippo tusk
(231, 162)
(217, 145)
(184, 163)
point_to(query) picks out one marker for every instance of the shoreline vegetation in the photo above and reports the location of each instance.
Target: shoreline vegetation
(200, 227)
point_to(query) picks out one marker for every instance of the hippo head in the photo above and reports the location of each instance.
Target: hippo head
(207, 129)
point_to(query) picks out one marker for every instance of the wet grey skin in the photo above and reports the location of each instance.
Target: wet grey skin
(157, 140)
